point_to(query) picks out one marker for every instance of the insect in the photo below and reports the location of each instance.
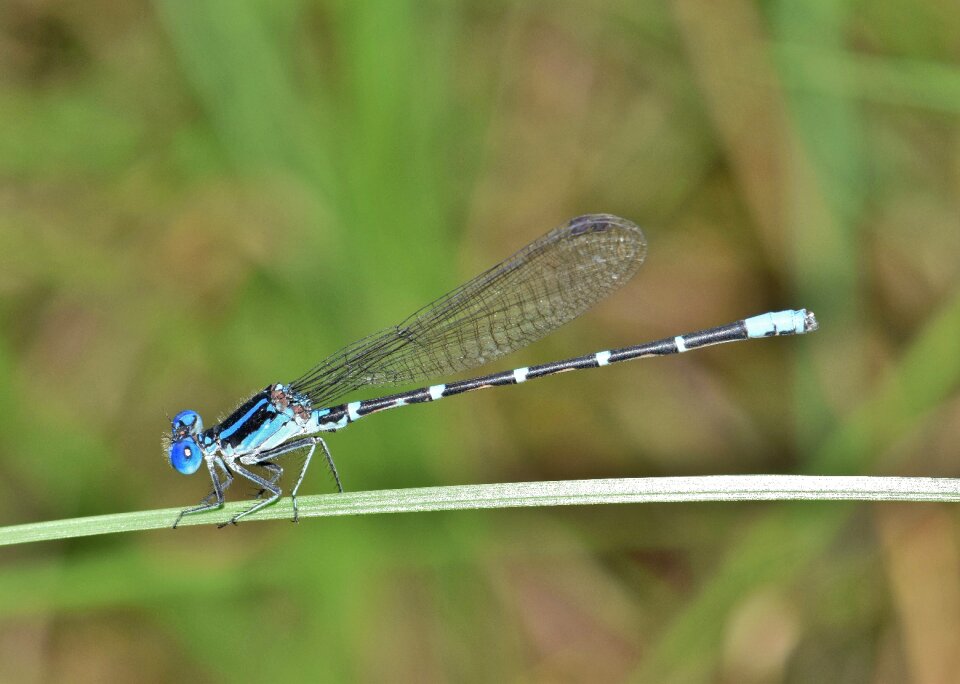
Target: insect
(544, 285)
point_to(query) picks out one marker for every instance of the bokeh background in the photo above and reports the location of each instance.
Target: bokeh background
(200, 198)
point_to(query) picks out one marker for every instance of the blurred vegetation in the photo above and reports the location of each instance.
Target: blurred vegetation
(198, 199)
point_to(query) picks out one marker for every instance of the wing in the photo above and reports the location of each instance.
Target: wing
(546, 284)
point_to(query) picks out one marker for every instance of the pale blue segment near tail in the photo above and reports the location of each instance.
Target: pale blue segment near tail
(436, 391)
(520, 374)
(603, 358)
(776, 323)
(681, 345)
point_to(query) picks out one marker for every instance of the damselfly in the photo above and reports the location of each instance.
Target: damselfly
(546, 284)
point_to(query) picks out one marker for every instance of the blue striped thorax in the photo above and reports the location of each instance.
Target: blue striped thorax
(268, 418)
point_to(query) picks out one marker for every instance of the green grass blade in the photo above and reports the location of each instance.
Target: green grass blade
(522, 494)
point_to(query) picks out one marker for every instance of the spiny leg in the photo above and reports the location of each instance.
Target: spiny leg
(277, 474)
(303, 472)
(205, 503)
(330, 464)
(224, 484)
(296, 487)
(279, 452)
(256, 479)
(302, 443)
(217, 492)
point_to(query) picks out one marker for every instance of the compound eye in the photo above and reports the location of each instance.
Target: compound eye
(186, 456)
(186, 423)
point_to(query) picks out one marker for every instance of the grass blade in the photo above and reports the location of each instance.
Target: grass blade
(522, 494)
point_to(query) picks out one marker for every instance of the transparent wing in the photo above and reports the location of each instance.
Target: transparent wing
(546, 284)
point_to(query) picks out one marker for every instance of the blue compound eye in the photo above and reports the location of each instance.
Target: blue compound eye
(186, 423)
(186, 456)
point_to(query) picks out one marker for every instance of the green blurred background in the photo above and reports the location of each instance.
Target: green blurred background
(201, 198)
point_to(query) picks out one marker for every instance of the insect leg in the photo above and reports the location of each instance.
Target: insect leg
(218, 489)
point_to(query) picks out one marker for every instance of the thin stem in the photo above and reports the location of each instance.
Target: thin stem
(512, 495)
